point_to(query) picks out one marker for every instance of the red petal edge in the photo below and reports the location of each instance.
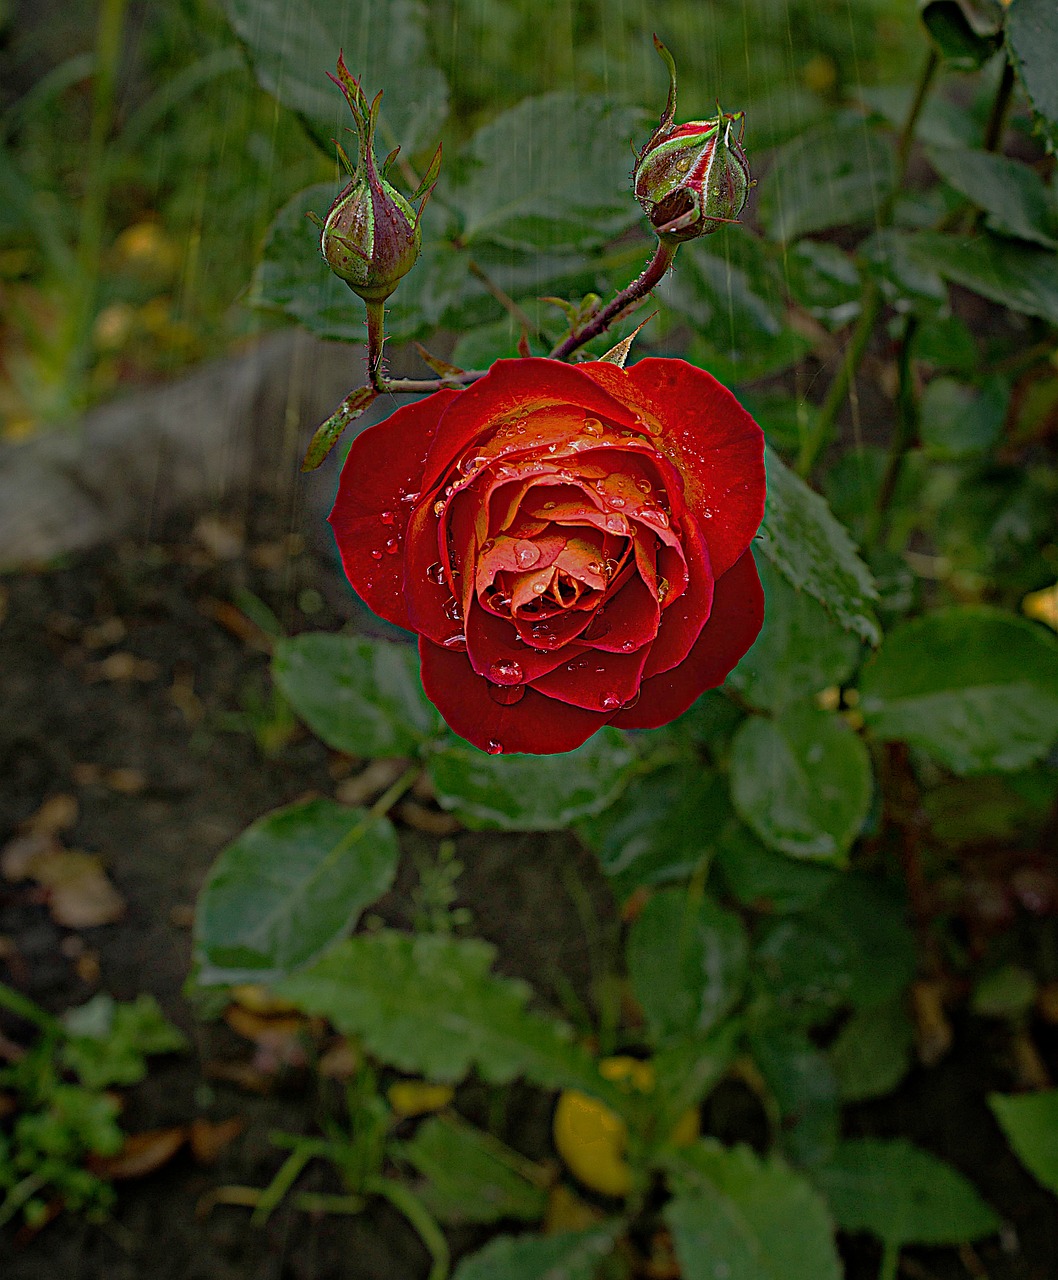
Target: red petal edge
(384, 461)
(536, 725)
(735, 622)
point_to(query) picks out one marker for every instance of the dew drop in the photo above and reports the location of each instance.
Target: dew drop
(609, 702)
(632, 700)
(549, 506)
(539, 588)
(707, 514)
(616, 501)
(449, 490)
(506, 695)
(526, 554)
(609, 568)
(655, 516)
(663, 589)
(594, 566)
(456, 641)
(615, 524)
(592, 427)
(436, 574)
(376, 554)
(643, 486)
(392, 546)
(388, 517)
(453, 611)
(493, 747)
(627, 646)
(487, 546)
(410, 497)
(439, 507)
(506, 671)
(471, 464)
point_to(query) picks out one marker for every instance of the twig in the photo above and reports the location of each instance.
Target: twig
(626, 300)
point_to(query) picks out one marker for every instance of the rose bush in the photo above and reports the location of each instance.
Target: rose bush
(570, 543)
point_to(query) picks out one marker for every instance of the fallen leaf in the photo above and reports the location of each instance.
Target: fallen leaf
(933, 1032)
(142, 1153)
(128, 782)
(210, 1137)
(80, 895)
(123, 667)
(112, 631)
(370, 782)
(270, 1030)
(223, 541)
(258, 999)
(235, 621)
(18, 855)
(432, 821)
(57, 813)
(341, 1061)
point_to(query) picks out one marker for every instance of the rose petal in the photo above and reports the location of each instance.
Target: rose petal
(595, 681)
(384, 463)
(630, 617)
(492, 640)
(510, 391)
(735, 621)
(682, 623)
(537, 725)
(714, 443)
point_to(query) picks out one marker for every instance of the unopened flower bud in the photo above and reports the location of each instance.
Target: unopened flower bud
(371, 235)
(692, 178)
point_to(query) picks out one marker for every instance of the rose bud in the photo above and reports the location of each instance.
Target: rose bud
(371, 235)
(570, 543)
(692, 178)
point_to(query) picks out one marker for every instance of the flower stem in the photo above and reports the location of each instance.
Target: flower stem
(628, 298)
(871, 304)
(376, 341)
(409, 1204)
(1001, 105)
(903, 436)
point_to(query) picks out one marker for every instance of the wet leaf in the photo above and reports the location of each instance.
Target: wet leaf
(574, 1255)
(1032, 38)
(1031, 1125)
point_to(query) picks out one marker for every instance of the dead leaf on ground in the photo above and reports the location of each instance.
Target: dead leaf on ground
(142, 1153)
(432, 821)
(210, 1137)
(222, 540)
(240, 1074)
(933, 1031)
(235, 621)
(371, 782)
(270, 1029)
(123, 667)
(341, 1061)
(57, 813)
(79, 893)
(112, 631)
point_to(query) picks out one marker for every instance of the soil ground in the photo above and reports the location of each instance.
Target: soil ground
(193, 779)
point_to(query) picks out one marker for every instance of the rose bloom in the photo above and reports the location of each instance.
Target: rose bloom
(569, 542)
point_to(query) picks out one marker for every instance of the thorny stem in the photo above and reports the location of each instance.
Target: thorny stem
(648, 279)
(903, 436)
(871, 307)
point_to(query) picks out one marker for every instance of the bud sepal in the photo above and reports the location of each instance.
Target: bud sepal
(692, 178)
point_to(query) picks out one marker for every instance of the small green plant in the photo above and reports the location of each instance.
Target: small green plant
(61, 1110)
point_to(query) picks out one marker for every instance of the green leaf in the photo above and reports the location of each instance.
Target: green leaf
(1011, 193)
(1031, 1125)
(966, 31)
(430, 1005)
(109, 1043)
(833, 175)
(550, 173)
(687, 963)
(853, 948)
(688, 1068)
(764, 880)
(957, 420)
(293, 47)
(973, 686)
(813, 552)
(661, 828)
(1007, 992)
(1032, 38)
(471, 1176)
(745, 1218)
(902, 1195)
(531, 793)
(571, 1255)
(1018, 276)
(802, 782)
(285, 889)
(800, 649)
(805, 1090)
(361, 696)
(873, 1052)
(328, 433)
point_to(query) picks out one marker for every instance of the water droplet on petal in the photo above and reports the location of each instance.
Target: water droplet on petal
(526, 554)
(609, 702)
(388, 517)
(707, 514)
(410, 497)
(643, 486)
(615, 524)
(471, 464)
(493, 747)
(539, 588)
(506, 695)
(627, 646)
(436, 574)
(453, 610)
(392, 546)
(506, 671)
(487, 546)
(592, 427)
(632, 700)
(439, 507)
(549, 506)
(616, 501)
(376, 554)
(457, 641)
(655, 516)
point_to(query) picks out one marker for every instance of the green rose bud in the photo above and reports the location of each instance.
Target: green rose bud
(692, 178)
(371, 235)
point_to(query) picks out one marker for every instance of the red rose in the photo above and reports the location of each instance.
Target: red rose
(569, 542)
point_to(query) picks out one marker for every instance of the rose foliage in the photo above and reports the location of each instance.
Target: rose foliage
(569, 543)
